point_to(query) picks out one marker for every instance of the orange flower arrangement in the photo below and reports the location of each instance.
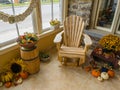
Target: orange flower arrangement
(27, 40)
(110, 42)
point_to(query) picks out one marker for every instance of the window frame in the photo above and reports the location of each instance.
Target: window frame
(11, 41)
(37, 24)
(38, 15)
(94, 16)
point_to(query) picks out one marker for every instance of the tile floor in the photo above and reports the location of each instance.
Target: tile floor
(53, 76)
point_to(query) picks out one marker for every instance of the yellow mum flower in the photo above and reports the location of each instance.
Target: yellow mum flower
(110, 42)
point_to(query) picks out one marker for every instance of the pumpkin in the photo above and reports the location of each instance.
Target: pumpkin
(8, 84)
(95, 72)
(105, 75)
(18, 81)
(111, 73)
(23, 75)
(100, 78)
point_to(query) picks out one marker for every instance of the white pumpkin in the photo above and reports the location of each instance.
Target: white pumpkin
(100, 78)
(19, 81)
(105, 75)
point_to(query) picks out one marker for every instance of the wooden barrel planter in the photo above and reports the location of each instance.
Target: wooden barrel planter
(31, 58)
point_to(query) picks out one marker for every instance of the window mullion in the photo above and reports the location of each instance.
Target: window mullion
(52, 17)
(64, 9)
(37, 18)
(13, 9)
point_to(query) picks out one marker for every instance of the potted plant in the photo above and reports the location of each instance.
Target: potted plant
(110, 43)
(55, 24)
(44, 56)
(28, 40)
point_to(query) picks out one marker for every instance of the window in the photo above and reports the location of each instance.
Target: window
(107, 15)
(50, 9)
(9, 32)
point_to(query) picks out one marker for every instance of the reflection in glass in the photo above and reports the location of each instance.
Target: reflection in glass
(106, 13)
(119, 28)
(47, 14)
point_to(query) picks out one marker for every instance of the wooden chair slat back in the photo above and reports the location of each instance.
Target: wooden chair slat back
(73, 29)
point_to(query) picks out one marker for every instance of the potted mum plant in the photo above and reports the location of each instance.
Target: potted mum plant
(110, 43)
(55, 24)
(28, 40)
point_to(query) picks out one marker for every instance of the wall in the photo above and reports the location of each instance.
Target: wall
(81, 8)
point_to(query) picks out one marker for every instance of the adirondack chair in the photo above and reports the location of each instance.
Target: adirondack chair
(72, 42)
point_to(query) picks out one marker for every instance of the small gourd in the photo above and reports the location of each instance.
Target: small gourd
(105, 75)
(95, 72)
(24, 75)
(18, 81)
(111, 73)
(8, 84)
(100, 78)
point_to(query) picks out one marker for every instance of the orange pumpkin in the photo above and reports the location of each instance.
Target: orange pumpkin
(8, 84)
(95, 72)
(111, 73)
(24, 75)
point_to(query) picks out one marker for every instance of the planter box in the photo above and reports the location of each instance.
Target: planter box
(55, 27)
(104, 57)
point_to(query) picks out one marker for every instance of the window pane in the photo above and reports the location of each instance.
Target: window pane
(46, 13)
(106, 13)
(56, 9)
(8, 32)
(46, 8)
(20, 7)
(26, 25)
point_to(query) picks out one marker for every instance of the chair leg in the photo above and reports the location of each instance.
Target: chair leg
(77, 62)
(64, 62)
(82, 60)
(60, 58)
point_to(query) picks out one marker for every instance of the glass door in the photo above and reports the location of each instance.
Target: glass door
(106, 14)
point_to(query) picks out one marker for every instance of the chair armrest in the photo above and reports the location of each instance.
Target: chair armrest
(58, 37)
(87, 40)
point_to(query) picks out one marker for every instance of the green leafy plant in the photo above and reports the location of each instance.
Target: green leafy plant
(43, 55)
(54, 22)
